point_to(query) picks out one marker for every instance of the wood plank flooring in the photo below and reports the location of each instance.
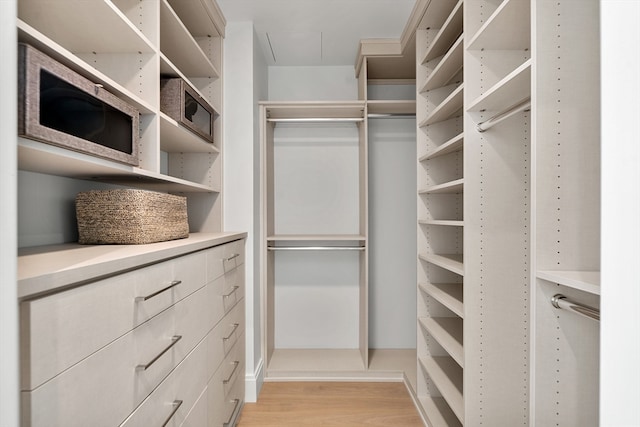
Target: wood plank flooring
(344, 404)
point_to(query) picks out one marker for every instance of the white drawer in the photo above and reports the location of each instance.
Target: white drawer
(107, 386)
(224, 293)
(225, 391)
(60, 330)
(175, 400)
(197, 417)
(222, 338)
(224, 258)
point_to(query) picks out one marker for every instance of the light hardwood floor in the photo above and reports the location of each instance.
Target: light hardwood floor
(284, 404)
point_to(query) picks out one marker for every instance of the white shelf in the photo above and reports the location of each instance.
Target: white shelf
(28, 34)
(587, 281)
(449, 32)
(449, 108)
(198, 16)
(315, 109)
(448, 332)
(451, 146)
(39, 157)
(448, 294)
(452, 187)
(438, 412)
(313, 363)
(443, 222)
(391, 107)
(512, 89)
(451, 262)
(175, 138)
(448, 67)
(181, 48)
(446, 374)
(98, 26)
(508, 28)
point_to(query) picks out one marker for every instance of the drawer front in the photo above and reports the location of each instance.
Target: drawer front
(180, 397)
(224, 293)
(62, 329)
(222, 338)
(225, 391)
(225, 258)
(77, 396)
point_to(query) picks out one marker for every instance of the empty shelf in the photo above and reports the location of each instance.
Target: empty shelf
(448, 67)
(447, 223)
(507, 28)
(588, 281)
(451, 146)
(449, 32)
(451, 262)
(448, 332)
(438, 412)
(446, 374)
(452, 187)
(449, 108)
(448, 294)
(512, 89)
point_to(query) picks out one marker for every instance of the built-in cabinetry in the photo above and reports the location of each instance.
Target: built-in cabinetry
(133, 335)
(522, 140)
(315, 244)
(144, 334)
(441, 184)
(126, 47)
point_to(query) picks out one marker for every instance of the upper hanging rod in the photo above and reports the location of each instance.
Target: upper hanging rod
(514, 109)
(560, 301)
(316, 248)
(315, 119)
(390, 115)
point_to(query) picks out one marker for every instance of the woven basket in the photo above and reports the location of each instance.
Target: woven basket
(127, 216)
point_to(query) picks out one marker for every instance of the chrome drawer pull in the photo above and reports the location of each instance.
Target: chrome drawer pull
(174, 341)
(172, 285)
(233, 291)
(232, 257)
(236, 404)
(235, 326)
(176, 405)
(235, 367)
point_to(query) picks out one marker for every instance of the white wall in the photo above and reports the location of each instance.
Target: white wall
(335, 83)
(9, 368)
(244, 84)
(620, 326)
(392, 233)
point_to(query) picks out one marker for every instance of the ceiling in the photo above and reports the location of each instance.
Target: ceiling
(318, 32)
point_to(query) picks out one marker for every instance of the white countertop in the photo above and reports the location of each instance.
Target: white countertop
(43, 269)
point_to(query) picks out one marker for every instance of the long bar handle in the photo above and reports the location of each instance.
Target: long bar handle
(171, 285)
(235, 368)
(176, 405)
(232, 257)
(236, 403)
(235, 326)
(174, 341)
(560, 301)
(233, 291)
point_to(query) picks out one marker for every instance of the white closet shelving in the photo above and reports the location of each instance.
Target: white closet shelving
(566, 149)
(126, 47)
(441, 187)
(498, 211)
(314, 238)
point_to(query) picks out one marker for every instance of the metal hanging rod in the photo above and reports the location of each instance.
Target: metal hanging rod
(560, 301)
(315, 119)
(316, 248)
(390, 115)
(514, 109)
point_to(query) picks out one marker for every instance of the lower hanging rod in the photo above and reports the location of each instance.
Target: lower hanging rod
(514, 109)
(560, 301)
(316, 248)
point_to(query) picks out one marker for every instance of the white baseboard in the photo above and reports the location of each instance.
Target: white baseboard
(253, 383)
